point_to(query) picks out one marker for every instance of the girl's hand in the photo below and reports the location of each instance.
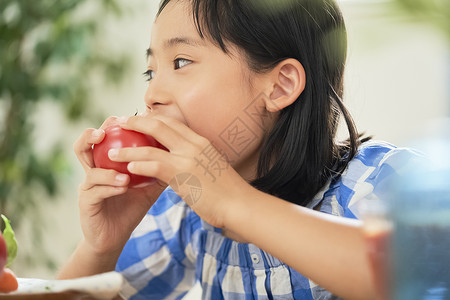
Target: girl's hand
(109, 210)
(194, 168)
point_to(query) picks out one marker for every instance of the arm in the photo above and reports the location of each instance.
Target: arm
(307, 240)
(327, 249)
(107, 226)
(85, 262)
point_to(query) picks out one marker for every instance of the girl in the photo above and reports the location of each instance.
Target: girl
(251, 196)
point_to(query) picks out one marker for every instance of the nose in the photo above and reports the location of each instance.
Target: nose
(157, 95)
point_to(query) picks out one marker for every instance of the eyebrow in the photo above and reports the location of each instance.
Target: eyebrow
(170, 43)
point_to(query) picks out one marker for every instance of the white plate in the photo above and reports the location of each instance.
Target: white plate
(102, 286)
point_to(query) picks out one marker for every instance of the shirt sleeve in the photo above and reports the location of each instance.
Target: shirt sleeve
(368, 177)
(158, 261)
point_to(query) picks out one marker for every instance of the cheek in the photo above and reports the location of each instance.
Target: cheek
(210, 104)
(208, 115)
(225, 123)
(215, 108)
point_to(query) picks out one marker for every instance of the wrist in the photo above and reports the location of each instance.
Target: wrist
(103, 260)
(85, 261)
(239, 211)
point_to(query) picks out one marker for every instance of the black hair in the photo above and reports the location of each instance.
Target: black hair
(300, 153)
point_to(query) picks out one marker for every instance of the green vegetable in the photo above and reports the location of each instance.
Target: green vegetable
(10, 240)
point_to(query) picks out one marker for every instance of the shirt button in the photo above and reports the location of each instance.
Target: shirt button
(255, 258)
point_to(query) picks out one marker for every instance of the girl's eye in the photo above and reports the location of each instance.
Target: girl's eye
(181, 62)
(149, 74)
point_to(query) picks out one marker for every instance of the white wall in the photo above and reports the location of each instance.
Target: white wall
(397, 80)
(398, 72)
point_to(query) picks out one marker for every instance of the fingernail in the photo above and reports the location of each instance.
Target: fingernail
(113, 153)
(97, 133)
(122, 120)
(121, 178)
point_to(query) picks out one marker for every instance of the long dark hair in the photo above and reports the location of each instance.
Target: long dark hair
(300, 154)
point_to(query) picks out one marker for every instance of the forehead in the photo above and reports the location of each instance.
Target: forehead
(175, 20)
(175, 25)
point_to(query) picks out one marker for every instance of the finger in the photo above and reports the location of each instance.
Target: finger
(179, 127)
(97, 176)
(153, 169)
(83, 146)
(139, 154)
(99, 193)
(91, 136)
(173, 135)
(156, 128)
(110, 121)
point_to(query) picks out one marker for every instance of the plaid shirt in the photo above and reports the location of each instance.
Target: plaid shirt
(172, 248)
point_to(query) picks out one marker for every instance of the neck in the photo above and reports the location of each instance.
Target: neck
(248, 169)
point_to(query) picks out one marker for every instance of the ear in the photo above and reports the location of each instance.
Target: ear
(287, 81)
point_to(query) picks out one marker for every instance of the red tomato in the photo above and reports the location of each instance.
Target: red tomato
(116, 138)
(8, 281)
(3, 253)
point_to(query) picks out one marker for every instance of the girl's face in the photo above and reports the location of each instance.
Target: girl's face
(213, 93)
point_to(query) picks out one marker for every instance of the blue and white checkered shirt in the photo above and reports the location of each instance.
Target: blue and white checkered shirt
(172, 248)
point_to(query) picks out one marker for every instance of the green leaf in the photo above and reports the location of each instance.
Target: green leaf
(10, 239)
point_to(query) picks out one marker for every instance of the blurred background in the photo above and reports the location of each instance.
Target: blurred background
(66, 65)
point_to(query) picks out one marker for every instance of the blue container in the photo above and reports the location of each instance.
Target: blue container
(420, 211)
